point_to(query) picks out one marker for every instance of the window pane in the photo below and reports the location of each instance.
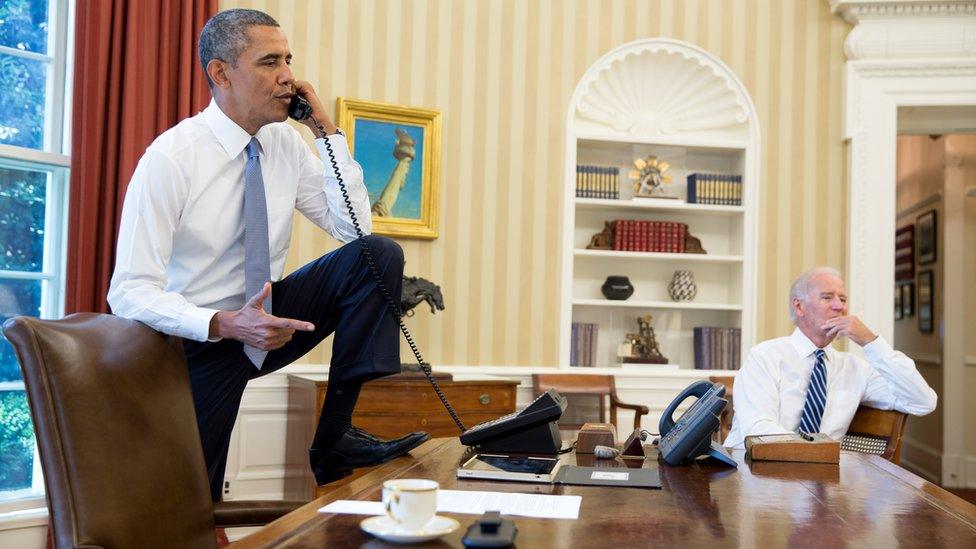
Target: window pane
(17, 297)
(22, 202)
(16, 443)
(22, 89)
(23, 25)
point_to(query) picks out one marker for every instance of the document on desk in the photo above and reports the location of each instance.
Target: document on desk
(477, 503)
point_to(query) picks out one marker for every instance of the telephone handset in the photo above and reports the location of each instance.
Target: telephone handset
(691, 436)
(300, 109)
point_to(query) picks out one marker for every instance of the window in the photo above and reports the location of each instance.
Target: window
(34, 38)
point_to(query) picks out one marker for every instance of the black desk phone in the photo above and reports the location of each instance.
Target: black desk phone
(691, 436)
(533, 430)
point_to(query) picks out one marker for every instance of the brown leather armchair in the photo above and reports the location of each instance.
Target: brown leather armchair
(118, 438)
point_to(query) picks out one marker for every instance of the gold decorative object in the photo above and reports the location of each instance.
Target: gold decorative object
(649, 177)
(642, 346)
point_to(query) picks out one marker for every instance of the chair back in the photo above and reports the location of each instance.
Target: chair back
(599, 389)
(874, 431)
(116, 432)
(725, 421)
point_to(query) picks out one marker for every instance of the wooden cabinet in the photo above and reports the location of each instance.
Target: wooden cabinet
(393, 407)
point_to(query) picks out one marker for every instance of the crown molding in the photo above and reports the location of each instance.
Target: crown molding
(907, 29)
(856, 11)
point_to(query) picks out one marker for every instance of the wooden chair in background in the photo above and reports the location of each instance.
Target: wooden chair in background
(598, 387)
(726, 418)
(872, 431)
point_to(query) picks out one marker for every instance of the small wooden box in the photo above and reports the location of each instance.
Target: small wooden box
(592, 435)
(793, 447)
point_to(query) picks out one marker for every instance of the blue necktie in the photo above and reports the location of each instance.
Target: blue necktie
(257, 255)
(813, 409)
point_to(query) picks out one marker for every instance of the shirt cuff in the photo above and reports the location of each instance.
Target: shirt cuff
(339, 146)
(196, 323)
(878, 350)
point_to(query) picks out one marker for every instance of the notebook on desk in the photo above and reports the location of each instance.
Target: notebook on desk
(608, 476)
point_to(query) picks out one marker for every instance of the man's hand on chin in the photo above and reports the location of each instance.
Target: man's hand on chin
(255, 327)
(848, 326)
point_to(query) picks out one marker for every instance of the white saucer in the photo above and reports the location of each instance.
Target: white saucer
(385, 528)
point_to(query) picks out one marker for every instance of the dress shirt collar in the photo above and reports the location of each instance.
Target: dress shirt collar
(231, 137)
(804, 347)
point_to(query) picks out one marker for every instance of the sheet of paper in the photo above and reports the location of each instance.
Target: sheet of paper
(526, 505)
(477, 503)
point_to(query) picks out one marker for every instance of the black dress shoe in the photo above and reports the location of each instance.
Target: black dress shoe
(357, 448)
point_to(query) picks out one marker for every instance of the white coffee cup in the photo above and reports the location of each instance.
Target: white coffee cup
(410, 502)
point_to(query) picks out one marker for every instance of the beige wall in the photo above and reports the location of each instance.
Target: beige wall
(964, 148)
(920, 175)
(502, 73)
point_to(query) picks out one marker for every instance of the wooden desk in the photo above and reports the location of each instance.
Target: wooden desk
(865, 501)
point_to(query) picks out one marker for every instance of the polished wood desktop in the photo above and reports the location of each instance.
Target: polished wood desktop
(865, 501)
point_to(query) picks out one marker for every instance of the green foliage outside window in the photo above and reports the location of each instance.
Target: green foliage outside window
(23, 26)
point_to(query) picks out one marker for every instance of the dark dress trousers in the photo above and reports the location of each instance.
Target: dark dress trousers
(337, 293)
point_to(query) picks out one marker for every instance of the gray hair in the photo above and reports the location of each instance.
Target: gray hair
(224, 37)
(801, 286)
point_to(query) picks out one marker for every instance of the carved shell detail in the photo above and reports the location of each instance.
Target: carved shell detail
(661, 90)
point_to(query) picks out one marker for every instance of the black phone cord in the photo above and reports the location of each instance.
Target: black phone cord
(391, 304)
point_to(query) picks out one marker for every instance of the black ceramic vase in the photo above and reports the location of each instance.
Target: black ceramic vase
(617, 287)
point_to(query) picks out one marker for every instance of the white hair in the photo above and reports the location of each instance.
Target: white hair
(801, 286)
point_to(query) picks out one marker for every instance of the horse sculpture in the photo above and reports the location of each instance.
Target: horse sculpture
(417, 289)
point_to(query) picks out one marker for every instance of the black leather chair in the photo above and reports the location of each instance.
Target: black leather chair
(118, 438)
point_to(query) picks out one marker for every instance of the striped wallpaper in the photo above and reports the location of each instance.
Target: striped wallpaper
(502, 73)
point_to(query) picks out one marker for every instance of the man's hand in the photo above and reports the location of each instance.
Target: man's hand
(849, 326)
(319, 114)
(255, 327)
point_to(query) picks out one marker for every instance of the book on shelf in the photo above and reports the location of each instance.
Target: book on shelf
(583, 341)
(631, 235)
(717, 189)
(597, 181)
(717, 348)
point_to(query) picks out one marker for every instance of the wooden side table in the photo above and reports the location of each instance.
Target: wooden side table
(393, 407)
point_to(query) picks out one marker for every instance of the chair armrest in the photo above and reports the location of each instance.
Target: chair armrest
(639, 408)
(232, 514)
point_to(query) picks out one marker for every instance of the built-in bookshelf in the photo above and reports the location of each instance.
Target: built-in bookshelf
(706, 130)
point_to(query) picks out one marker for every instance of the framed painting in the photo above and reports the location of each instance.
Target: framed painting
(898, 303)
(399, 149)
(908, 299)
(926, 296)
(925, 226)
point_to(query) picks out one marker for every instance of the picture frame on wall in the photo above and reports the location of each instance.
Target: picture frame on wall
(905, 253)
(898, 304)
(926, 293)
(908, 299)
(925, 229)
(399, 149)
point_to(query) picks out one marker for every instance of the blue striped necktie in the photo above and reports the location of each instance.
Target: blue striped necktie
(257, 254)
(813, 409)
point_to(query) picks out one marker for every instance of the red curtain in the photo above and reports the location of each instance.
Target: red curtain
(136, 74)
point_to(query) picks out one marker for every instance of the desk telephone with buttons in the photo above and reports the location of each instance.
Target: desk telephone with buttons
(533, 430)
(691, 436)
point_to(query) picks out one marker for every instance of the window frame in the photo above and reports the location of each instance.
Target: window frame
(53, 157)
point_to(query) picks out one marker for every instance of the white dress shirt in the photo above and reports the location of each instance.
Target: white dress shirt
(771, 389)
(180, 254)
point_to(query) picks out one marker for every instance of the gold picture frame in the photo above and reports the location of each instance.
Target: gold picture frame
(387, 140)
